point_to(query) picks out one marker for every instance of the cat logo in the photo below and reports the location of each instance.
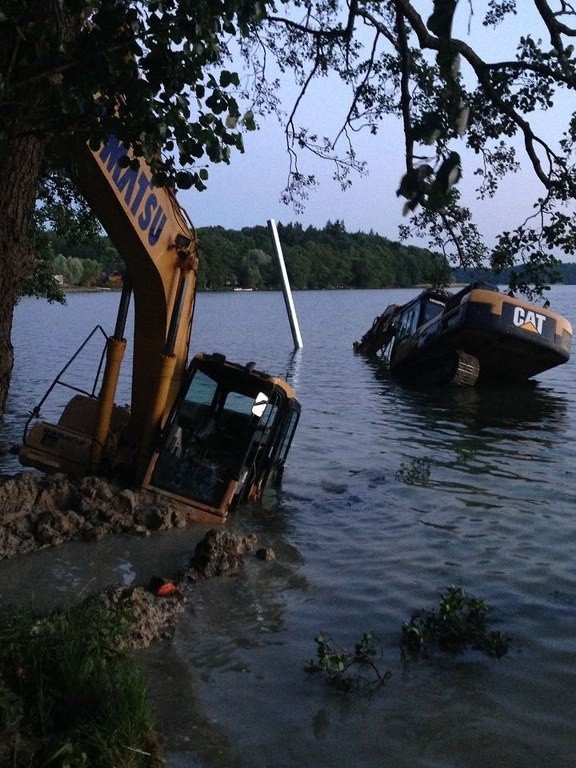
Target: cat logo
(528, 320)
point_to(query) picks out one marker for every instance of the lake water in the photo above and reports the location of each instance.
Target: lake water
(390, 495)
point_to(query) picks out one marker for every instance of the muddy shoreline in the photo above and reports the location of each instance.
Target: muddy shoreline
(39, 511)
(44, 511)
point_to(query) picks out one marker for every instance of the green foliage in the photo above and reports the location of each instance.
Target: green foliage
(539, 267)
(458, 623)
(67, 696)
(83, 263)
(348, 670)
(76, 271)
(232, 258)
(315, 259)
(59, 211)
(185, 104)
(42, 284)
(438, 273)
(168, 61)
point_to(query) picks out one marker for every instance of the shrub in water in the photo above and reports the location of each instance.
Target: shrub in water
(458, 623)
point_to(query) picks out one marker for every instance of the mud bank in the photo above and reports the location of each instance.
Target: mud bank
(156, 607)
(39, 511)
(46, 510)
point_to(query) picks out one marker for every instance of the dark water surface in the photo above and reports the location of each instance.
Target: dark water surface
(390, 494)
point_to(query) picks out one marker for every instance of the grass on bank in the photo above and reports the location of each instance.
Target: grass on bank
(68, 697)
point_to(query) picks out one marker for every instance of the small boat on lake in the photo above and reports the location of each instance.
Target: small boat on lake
(477, 334)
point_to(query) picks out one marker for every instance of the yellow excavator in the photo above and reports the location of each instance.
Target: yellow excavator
(209, 433)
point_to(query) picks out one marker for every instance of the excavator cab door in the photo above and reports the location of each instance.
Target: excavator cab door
(230, 429)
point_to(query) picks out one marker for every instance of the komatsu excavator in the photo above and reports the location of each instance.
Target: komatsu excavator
(208, 433)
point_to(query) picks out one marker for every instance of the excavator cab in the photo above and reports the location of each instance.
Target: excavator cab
(228, 434)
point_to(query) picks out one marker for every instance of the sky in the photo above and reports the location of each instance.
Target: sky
(247, 192)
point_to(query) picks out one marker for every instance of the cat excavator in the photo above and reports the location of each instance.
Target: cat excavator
(208, 433)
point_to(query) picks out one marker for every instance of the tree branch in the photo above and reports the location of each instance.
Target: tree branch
(358, 90)
(405, 98)
(555, 28)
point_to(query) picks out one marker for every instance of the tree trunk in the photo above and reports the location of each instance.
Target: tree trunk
(20, 165)
(25, 98)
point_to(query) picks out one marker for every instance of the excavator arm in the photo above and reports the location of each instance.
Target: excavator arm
(158, 244)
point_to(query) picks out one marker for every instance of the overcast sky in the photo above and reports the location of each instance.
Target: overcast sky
(247, 192)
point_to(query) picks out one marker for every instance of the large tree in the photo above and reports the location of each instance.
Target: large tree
(64, 63)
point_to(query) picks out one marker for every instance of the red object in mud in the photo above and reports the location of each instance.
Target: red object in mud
(166, 589)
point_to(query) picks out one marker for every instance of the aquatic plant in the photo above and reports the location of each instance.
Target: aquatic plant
(416, 472)
(458, 623)
(348, 670)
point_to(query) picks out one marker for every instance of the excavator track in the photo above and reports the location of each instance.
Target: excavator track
(467, 370)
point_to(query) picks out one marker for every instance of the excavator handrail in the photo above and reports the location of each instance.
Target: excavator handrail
(35, 412)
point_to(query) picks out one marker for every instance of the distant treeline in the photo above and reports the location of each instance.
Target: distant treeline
(315, 259)
(566, 272)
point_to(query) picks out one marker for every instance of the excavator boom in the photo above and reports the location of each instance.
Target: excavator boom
(152, 233)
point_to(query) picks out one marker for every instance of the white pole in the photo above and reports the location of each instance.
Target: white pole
(285, 286)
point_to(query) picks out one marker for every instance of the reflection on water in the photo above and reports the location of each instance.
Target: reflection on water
(293, 369)
(389, 495)
(497, 431)
(529, 405)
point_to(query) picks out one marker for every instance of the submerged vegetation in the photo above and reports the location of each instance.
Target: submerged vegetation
(416, 472)
(71, 697)
(348, 670)
(68, 697)
(459, 623)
